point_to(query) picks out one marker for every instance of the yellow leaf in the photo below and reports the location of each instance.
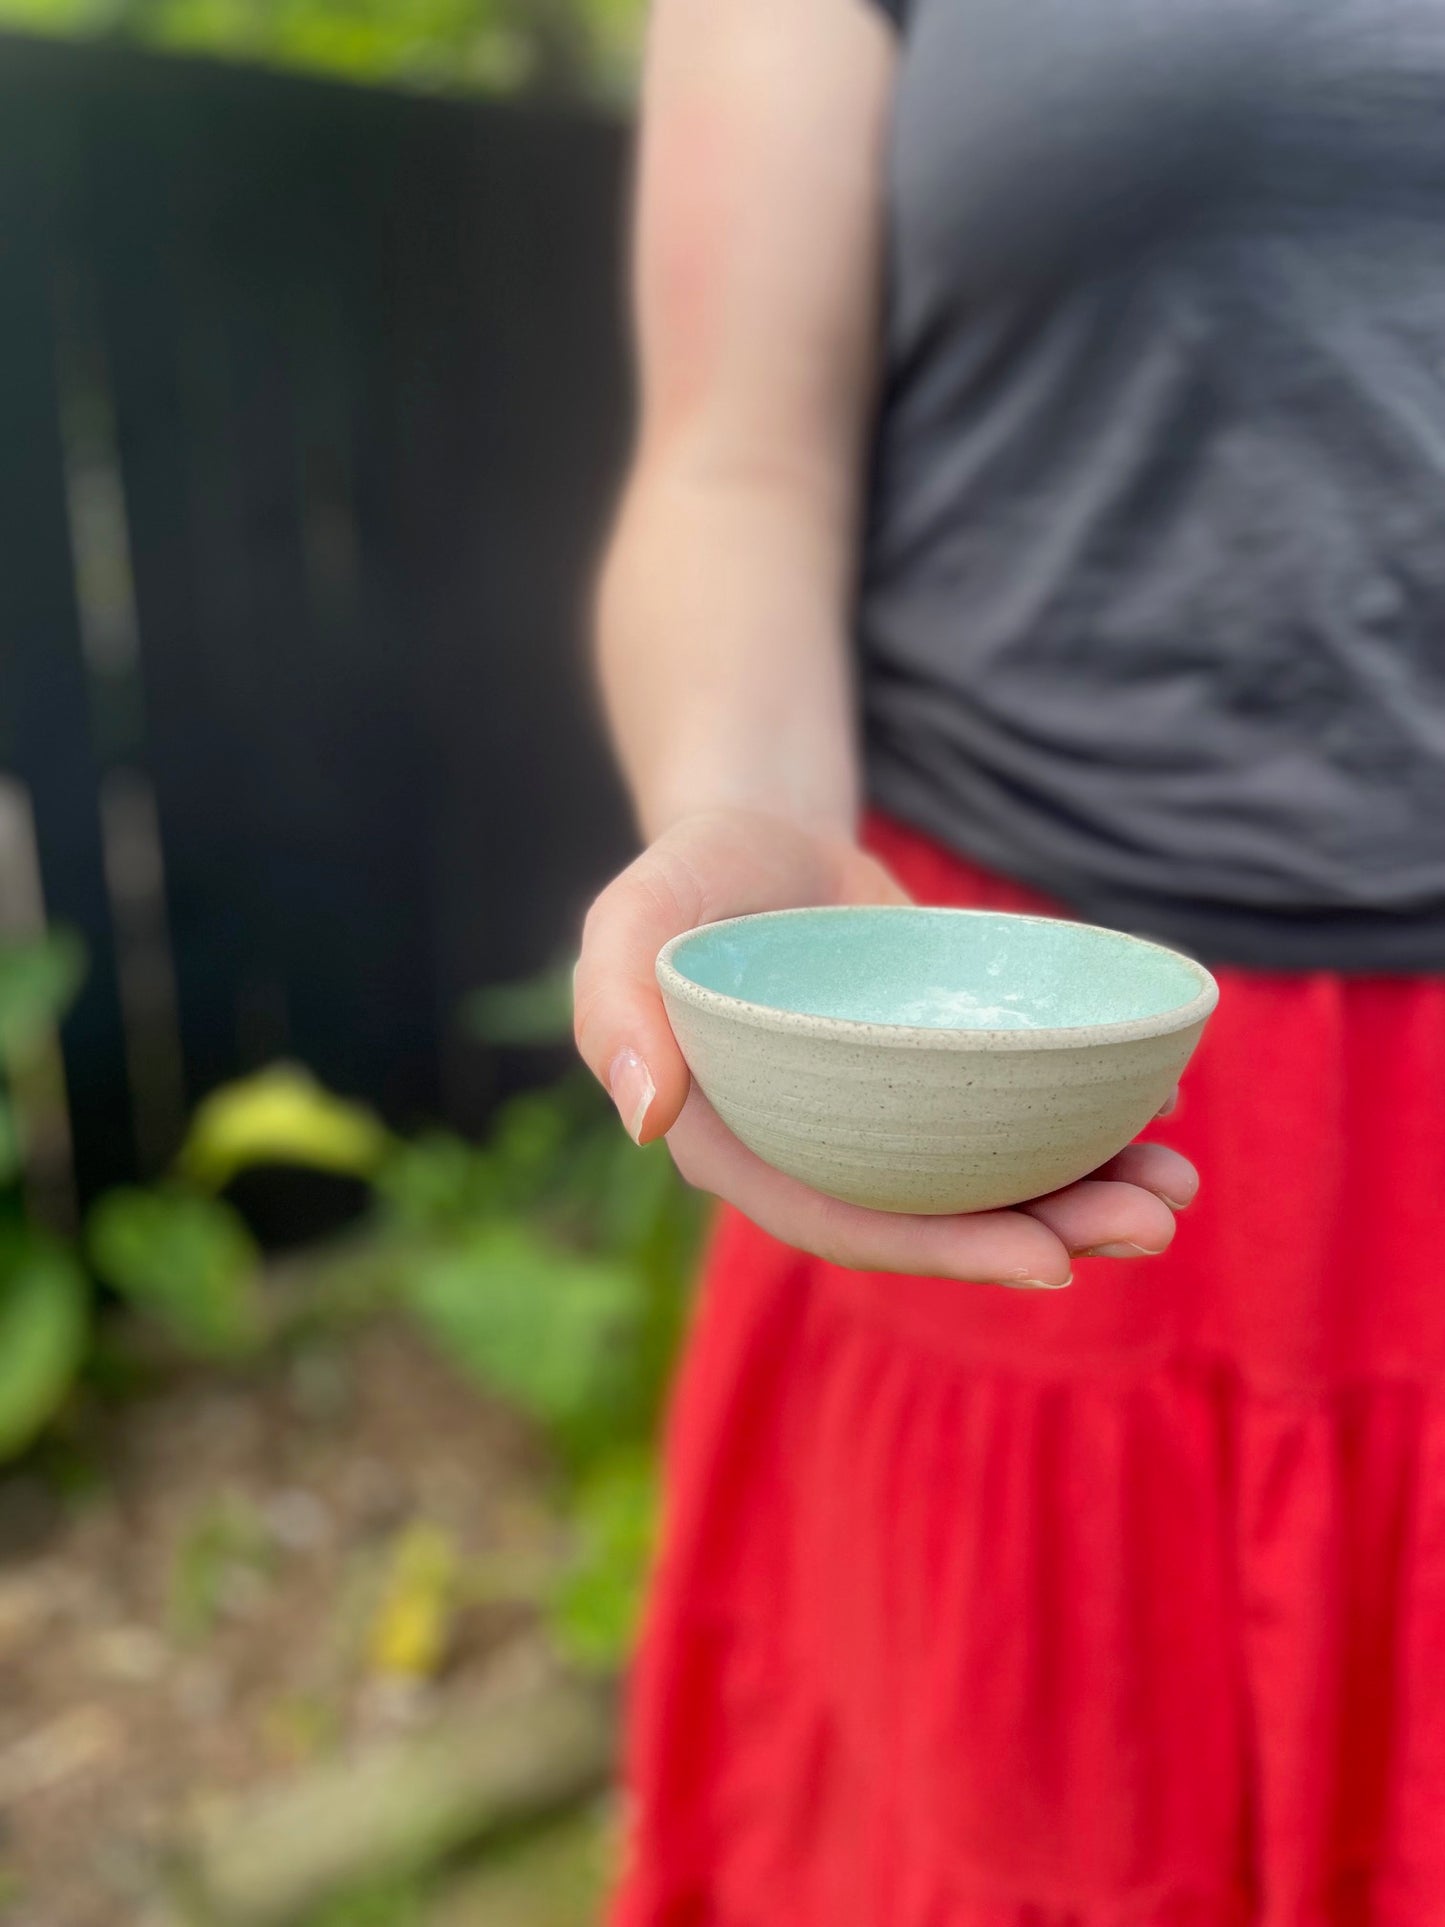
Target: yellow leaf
(411, 1632)
(281, 1116)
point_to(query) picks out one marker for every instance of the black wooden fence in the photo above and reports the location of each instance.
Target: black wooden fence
(311, 399)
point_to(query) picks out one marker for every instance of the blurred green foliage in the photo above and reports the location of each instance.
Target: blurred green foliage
(569, 47)
(549, 1263)
(187, 1261)
(614, 1515)
(536, 1011)
(38, 979)
(555, 1330)
(43, 1290)
(43, 1318)
(398, 1903)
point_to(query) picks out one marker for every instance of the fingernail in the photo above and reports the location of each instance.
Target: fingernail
(1037, 1284)
(1175, 1204)
(632, 1090)
(1119, 1251)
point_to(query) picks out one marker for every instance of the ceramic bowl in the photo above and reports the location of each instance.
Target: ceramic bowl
(931, 1060)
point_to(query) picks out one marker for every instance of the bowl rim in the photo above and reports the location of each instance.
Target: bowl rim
(858, 1030)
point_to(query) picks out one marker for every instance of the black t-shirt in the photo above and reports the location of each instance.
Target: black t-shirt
(1152, 610)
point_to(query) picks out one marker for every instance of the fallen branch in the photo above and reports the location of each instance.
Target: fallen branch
(400, 1807)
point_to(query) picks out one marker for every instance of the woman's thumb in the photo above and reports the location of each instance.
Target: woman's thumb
(621, 1025)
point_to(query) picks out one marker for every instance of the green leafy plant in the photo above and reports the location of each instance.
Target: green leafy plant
(38, 982)
(586, 47)
(568, 1298)
(43, 1330)
(44, 1298)
(438, 1184)
(548, 1263)
(180, 1257)
(555, 1332)
(596, 1599)
(187, 1261)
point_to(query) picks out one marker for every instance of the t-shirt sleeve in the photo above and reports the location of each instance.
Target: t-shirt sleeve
(896, 10)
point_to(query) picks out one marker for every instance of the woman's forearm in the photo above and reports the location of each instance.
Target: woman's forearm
(722, 647)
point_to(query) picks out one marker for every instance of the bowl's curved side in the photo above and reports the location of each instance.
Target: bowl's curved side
(930, 1131)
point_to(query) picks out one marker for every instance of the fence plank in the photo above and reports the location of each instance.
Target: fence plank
(45, 721)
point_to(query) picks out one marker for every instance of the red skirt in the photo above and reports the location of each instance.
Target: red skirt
(1116, 1607)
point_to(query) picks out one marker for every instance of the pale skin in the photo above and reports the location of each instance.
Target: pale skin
(723, 610)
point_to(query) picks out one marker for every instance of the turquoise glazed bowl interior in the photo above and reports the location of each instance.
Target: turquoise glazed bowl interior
(938, 970)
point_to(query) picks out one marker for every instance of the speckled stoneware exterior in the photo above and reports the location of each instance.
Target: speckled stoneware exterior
(932, 1060)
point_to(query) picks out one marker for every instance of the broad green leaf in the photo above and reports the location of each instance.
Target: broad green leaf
(553, 1332)
(43, 1320)
(38, 980)
(594, 1611)
(534, 1010)
(281, 1116)
(188, 1262)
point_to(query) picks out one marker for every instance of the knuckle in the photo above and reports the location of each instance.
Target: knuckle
(666, 885)
(657, 889)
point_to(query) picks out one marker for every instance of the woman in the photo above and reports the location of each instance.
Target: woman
(1059, 389)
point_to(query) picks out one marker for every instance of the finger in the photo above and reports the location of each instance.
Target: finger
(1000, 1247)
(1156, 1168)
(618, 1015)
(1105, 1219)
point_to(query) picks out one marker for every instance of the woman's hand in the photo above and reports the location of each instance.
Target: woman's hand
(726, 863)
